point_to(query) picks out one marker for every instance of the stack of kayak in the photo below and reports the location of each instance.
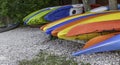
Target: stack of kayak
(101, 30)
(79, 26)
(99, 27)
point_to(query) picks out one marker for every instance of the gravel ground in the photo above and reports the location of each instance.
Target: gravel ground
(25, 43)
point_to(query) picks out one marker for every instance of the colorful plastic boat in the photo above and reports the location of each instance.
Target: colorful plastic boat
(64, 11)
(111, 44)
(37, 16)
(25, 19)
(49, 30)
(99, 39)
(111, 16)
(89, 36)
(95, 27)
(67, 10)
(41, 28)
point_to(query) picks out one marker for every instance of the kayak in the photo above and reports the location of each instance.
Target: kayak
(67, 10)
(110, 44)
(110, 25)
(111, 16)
(41, 28)
(36, 17)
(89, 36)
(99, 39)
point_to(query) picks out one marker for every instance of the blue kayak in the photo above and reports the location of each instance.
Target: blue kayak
(111, 44)
(64, 11)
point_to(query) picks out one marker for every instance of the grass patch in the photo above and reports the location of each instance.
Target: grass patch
(82, 63)
(47, 59)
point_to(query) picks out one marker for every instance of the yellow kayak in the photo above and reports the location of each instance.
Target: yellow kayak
(111, 16)
(88, 36)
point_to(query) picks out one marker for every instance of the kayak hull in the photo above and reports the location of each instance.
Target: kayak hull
(111, 44)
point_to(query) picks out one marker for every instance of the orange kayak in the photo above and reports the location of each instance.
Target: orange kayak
(41, 28)
(99, 39)
(95, 27)
(55, 31)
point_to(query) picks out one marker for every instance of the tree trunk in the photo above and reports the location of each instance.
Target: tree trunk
(113, 4)
(86, 5)
(75, 1)
(92, 1)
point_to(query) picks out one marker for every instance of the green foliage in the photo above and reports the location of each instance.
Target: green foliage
(82, 63)
(1, 24)
(48, 59)
(18, 9)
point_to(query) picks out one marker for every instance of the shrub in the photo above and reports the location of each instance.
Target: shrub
(16, 10)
